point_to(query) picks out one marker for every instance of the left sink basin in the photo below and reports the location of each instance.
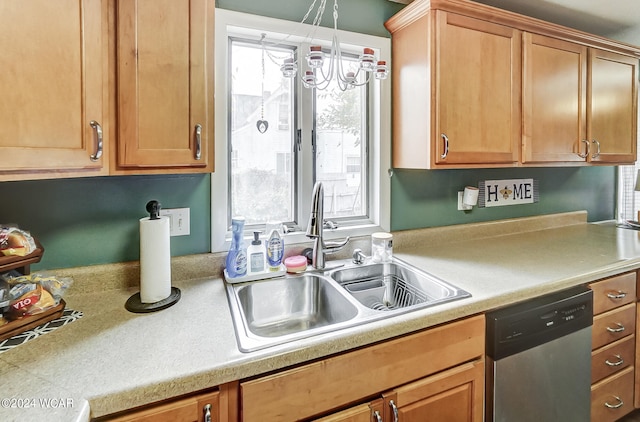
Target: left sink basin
(284, 309)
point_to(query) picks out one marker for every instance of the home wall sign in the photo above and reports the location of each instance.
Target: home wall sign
(498, 193)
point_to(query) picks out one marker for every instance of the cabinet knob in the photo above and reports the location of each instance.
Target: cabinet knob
(207, 412)
(198, 140)
(98, 132)
(597, 154)
(586, 154)
(446, 146)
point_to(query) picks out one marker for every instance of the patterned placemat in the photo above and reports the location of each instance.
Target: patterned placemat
(68, 316)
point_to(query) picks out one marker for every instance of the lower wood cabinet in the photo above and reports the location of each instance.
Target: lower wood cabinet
(613, 353)
(215, 405)
(452, 395)
(435, 375)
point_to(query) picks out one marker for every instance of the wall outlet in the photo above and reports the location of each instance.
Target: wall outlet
(179, 221)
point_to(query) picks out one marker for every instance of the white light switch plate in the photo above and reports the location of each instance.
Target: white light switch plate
(179, 221)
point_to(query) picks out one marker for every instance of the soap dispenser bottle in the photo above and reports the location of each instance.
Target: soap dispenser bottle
(255, 254)
(236, 263)
(275, 248)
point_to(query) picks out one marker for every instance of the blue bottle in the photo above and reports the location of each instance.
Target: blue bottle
(237, 257)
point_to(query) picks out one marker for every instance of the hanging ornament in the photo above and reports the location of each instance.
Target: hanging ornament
(262, 124)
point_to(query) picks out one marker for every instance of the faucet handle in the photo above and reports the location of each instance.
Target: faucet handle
(335, 246)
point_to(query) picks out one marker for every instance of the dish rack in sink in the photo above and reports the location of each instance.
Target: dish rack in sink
(386, 293)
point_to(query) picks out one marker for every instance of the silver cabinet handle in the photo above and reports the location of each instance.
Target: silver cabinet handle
(616, 330)
(198, 136)
(618, 363)
(207, 413)
(98, 131)
(377, 417)
(615, 406)
(597, 154)
(446, 146)
(394, 410)
(619, 295)
(586, 154)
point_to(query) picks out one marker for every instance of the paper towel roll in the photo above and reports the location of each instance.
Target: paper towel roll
(155, 259)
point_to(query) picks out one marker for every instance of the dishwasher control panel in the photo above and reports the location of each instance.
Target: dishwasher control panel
(516, 327)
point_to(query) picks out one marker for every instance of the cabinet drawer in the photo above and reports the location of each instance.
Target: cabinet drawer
(613, 292)
(612, 398)
(327, 384)
(613, 325)
(612, 358)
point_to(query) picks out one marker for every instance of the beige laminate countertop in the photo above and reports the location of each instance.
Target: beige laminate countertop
(111, 359)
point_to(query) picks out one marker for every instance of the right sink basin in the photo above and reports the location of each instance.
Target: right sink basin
(395, 285)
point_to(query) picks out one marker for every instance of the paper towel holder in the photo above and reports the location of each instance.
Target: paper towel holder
(134, 303)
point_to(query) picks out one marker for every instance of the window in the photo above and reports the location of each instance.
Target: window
(275, 138)
(628, 197)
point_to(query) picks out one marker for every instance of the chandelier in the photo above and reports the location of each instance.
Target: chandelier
(326, 66)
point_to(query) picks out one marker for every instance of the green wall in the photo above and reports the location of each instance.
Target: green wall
(430, 198)
(89, 221)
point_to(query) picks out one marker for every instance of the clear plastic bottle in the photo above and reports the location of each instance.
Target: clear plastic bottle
(275, 247)
(255, 255)
(236, 263)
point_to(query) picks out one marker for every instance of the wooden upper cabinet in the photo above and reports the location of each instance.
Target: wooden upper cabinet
(456, 85)
(612, 112)
(579, 103)
(554, 100)
(477, 101)
(52, 86)
(165, 84)
(477, 86)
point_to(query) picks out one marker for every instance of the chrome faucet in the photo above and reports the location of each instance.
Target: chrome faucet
(315, 229)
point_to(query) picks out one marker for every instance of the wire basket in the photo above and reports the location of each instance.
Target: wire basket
(386, 293)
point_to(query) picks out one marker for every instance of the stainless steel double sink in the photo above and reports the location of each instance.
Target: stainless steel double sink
(283, 309)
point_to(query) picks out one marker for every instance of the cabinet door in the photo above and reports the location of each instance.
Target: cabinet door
(613, 107)
(478, 91)
(368, 412)
(198, 408)
(165, 78)
(554, 100)
(51, 86)
(453, 395)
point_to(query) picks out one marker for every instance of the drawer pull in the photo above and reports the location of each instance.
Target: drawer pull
(198, 140)
(207, 413)
(586, 154)
(618, 363)
(394, 410)
(98, 131)
(377, 417)
(617, 296)
(597, 154)
(614, 406)
(446, 146)
(616, 330)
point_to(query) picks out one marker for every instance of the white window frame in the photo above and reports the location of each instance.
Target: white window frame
(236, 23)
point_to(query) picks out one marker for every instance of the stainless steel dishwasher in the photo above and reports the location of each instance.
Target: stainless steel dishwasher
(539, 359)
